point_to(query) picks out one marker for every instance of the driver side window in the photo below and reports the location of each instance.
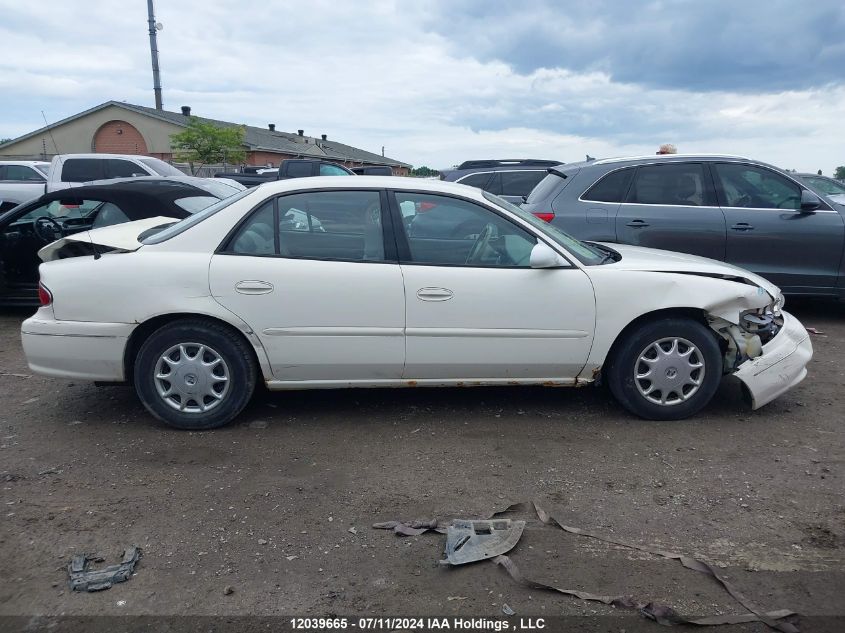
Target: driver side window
(452, 232)
(750, 187)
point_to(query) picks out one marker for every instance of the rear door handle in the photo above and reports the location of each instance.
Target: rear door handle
(742, 226)
(434, 294)
(637, 224)
(254, 287)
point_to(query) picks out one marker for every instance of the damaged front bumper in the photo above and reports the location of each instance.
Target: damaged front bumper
(781, 366)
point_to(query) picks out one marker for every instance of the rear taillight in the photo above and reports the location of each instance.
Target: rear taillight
(422, 207)
(44, 295)
(546, 217)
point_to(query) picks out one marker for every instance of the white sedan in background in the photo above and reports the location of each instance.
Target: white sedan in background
(391, 282)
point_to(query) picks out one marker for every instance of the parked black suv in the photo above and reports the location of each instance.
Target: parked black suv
(509, 178)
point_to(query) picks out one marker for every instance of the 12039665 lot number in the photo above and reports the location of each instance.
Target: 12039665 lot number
(417, 624)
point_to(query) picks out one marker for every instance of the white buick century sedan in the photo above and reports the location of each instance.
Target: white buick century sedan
(397, 282)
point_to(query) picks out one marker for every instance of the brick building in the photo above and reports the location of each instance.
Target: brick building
(123, 128)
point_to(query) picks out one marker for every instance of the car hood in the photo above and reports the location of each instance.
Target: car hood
(118, 237)
(654, 260)
(838, 198)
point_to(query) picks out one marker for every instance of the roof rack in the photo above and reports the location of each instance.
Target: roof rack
(507, 162)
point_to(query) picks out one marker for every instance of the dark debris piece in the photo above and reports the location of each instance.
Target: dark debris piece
(84, 579)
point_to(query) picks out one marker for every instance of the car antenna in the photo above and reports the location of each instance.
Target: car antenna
(50, 131)
(97, 253)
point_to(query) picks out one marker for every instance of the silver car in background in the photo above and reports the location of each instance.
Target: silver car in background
(727, 208)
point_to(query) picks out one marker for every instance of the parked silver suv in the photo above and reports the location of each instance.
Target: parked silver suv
(728, 208)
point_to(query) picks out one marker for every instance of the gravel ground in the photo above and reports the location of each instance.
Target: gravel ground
(258, 518)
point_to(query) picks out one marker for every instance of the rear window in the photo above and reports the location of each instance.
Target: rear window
(158, 235)
(550, 184)
(611, 188)
(195, 203)
(332, 170)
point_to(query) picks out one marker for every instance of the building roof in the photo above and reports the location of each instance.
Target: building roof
(255, 138)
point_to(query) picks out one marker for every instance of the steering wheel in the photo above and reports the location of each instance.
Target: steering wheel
(743, 201)
(481, 243)
(48, 229)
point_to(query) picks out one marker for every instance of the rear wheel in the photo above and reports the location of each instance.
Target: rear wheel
(666, 369)
(195, 374)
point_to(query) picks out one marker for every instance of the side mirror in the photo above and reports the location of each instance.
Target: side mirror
(542, 256)
(809, 201)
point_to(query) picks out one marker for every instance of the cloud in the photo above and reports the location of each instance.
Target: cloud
(438, 83)
(748, 46)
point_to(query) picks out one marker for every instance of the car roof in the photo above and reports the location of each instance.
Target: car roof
(167, 188)
(371, 182)
(98, 156)
(664, 158)
(24, 162)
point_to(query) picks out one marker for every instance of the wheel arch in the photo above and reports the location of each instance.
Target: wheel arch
(696, 314)
(145, 329)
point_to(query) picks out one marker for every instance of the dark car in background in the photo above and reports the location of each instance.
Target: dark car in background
(290, 168)
(824, 186)
(28, 227)
(511, 179)
(373, 170)
(727, 208)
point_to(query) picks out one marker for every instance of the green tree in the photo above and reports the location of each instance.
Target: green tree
(424, 172)
(839, 174)
(203, 143)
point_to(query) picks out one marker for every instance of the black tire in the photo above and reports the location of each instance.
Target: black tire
(625, 360)
(238, 365)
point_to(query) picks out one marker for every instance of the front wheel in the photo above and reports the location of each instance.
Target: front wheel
(195, 374)
(666, 369)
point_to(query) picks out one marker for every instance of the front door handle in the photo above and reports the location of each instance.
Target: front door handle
(254, 287)
(742, 226)
(637, 224)
(434, 294)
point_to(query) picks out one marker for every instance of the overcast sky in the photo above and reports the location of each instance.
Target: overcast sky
(438, 82)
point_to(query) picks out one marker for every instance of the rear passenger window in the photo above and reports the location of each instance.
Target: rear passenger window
(123, 169)
(611, 188)
(674, 184)
(520, 183)
(476, 180)
(82, 169)
(333, 225)
(256, 236)
(297, 169)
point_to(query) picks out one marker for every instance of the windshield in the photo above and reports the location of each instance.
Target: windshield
(44, 168)
(585, 253)
(173, 230)
(825, 185)
(160, 167)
